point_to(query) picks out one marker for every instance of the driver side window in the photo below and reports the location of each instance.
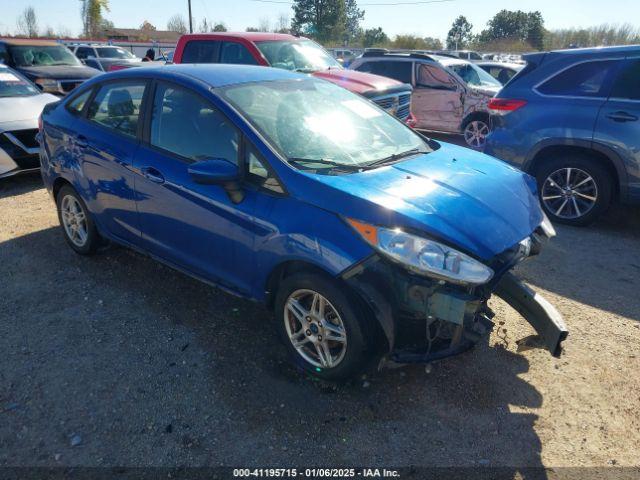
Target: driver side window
(432, 76)
(187, 125)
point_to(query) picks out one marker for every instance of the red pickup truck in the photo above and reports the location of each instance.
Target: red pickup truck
(297, 54)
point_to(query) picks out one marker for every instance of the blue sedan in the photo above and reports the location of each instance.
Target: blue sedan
(367, 240)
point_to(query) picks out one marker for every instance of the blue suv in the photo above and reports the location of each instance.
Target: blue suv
(364, 237)
(571, 118)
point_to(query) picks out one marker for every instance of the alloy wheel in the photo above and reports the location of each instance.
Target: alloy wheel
(475, 133)
(74, 221)
(315, 328)
(569, 193)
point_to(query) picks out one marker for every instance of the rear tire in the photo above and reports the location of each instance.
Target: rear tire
(574, 189)
(475, 131)
(332, 341)
(76, 222)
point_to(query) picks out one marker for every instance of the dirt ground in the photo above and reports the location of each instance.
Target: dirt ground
(117, 360)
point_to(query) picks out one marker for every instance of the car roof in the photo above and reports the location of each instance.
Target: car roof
(28, 41)
(605, 50)
(214, 75)
(251, 36)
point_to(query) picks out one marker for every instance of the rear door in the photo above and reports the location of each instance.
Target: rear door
(437, 99)
(201, 51)
(106, 143)
(618, 123)
(572, 98)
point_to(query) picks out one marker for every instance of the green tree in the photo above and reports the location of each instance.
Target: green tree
(374, 37)
(432, 43)
(219, 27)
(28, 23)
(409, 42)
(91, 11)
(324, 20)
(352, 24)
(460, 34)
(516, 26)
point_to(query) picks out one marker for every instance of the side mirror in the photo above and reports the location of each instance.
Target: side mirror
(214, 171)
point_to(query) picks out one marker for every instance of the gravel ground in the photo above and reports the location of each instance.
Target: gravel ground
(117, 360)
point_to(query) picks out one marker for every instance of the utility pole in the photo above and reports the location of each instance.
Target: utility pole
(190, 19)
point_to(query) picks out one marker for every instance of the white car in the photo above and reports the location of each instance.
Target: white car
(21, 103)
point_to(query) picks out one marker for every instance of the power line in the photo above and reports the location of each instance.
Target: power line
(417, 2)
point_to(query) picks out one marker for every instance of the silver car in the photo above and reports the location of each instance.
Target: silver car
(21, 103)
(449, 94)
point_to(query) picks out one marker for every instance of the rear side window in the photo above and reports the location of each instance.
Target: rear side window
(432, 76)
(187, 125)
(201, 51)
(234, 52)
(627, 85)
(588, 79)
(400, 71)
(84, 52)
(76, 105)
(117, 106)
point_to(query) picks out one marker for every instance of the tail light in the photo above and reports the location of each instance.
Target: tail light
(40, 122)
(503, 106)
(411, 120)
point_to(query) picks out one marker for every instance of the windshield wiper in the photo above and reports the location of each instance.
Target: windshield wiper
(394, 158)
(321, 161)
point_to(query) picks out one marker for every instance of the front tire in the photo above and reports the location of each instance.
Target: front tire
(321, 326)
(574, 190)
(76, 222)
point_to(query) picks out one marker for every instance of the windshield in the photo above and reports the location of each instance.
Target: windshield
(15, 85)
(113, 52)
(297, 55)
(307, 120)
(474, 75)
(42, 55)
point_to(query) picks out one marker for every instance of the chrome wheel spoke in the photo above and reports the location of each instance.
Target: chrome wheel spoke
(564, 203)
(298, 310)
(582, 182)
(575, 205)
(324, 354)
(588, 197)
(299, 338)
(334, 333)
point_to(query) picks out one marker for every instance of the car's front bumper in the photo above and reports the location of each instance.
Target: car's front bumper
(424, 320)
(18, 153)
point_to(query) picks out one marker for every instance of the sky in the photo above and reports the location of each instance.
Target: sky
(432, 20)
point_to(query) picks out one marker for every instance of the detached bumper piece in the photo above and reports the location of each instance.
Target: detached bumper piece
(542, 316)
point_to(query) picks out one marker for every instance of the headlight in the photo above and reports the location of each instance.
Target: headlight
(48, 84)
(547, 227)
(425, 256)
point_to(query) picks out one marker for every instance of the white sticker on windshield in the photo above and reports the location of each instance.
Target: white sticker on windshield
(9, 77)
(361, 108)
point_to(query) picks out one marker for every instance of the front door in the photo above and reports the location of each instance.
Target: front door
(619, 121)
(193, 226)
(437, 101)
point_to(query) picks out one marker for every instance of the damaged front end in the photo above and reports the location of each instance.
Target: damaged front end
(426, 319)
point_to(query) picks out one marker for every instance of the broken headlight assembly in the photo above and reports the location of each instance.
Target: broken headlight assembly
(424, 256)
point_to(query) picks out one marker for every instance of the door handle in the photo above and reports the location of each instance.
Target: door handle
(622, 117)
(152, 174)
(81, 141)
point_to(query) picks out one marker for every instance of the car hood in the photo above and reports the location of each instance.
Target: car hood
(60, 72)
(464, 198)
(20, 109)
(358, 82)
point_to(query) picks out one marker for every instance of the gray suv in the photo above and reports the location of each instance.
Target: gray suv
(571, 118)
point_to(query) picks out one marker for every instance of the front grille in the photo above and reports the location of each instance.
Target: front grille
(396, 104)
(23, 158)
(26, 137)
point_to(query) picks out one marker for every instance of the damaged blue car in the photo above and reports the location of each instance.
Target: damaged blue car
(367, 239)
